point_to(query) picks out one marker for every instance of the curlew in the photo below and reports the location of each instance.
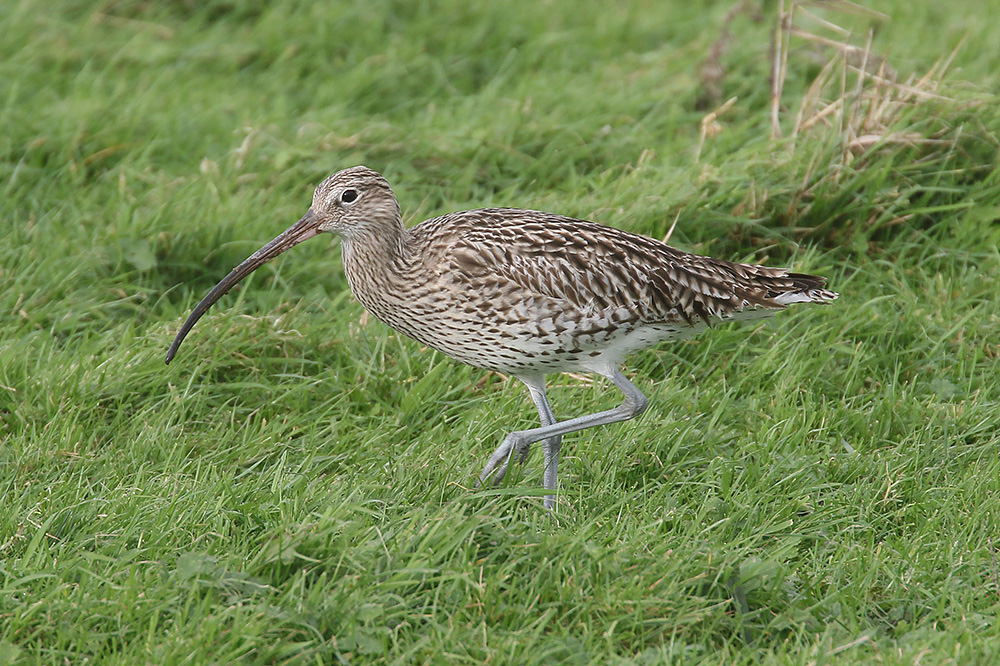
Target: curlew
(525, 293)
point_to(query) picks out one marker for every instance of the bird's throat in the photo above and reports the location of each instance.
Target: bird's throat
(374, 260)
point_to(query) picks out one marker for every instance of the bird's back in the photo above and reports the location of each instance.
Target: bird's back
(519, 290)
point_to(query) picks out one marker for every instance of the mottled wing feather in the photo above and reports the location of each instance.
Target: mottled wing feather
(596, 268)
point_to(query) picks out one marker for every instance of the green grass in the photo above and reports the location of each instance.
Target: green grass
(296, 486)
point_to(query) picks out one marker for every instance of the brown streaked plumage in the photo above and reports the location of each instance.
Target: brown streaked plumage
(525, 293)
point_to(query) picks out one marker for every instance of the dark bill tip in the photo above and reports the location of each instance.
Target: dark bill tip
(304, 229)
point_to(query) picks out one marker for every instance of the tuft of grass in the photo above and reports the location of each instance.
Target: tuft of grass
(296, 487)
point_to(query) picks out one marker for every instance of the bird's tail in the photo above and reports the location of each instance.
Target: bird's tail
(801, 288)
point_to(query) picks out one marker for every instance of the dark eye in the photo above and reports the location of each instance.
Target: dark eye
(348, 196)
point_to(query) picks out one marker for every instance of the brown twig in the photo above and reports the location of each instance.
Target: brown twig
(779, 62)
(710, 125)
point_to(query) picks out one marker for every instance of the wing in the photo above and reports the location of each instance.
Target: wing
(596, 268)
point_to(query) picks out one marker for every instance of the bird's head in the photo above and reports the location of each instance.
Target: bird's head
(353, 201)
(350, 203)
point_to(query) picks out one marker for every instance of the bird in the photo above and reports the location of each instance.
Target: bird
(526, 294)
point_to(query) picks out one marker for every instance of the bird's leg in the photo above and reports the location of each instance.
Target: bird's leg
(536, 387)
(635, 403)
(550, 447)
(546, 416)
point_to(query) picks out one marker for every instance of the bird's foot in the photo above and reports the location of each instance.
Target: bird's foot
(521, 451)
(496, 466)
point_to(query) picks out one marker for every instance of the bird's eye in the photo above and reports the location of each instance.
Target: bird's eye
(348, 196)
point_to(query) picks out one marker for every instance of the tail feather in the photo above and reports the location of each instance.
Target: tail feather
(803, 289)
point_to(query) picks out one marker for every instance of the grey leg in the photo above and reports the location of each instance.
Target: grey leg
(536, 387)
(635, 403)
(545, 415)
(550, 446)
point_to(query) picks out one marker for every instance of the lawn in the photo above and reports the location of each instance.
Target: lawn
(296, 487)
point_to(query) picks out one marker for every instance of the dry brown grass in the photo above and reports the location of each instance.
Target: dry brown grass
(857, 93)
(839, 107)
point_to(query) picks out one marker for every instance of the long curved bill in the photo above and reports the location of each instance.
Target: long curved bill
(304, 229)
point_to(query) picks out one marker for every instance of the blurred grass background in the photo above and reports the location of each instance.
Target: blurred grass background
(295, 487)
